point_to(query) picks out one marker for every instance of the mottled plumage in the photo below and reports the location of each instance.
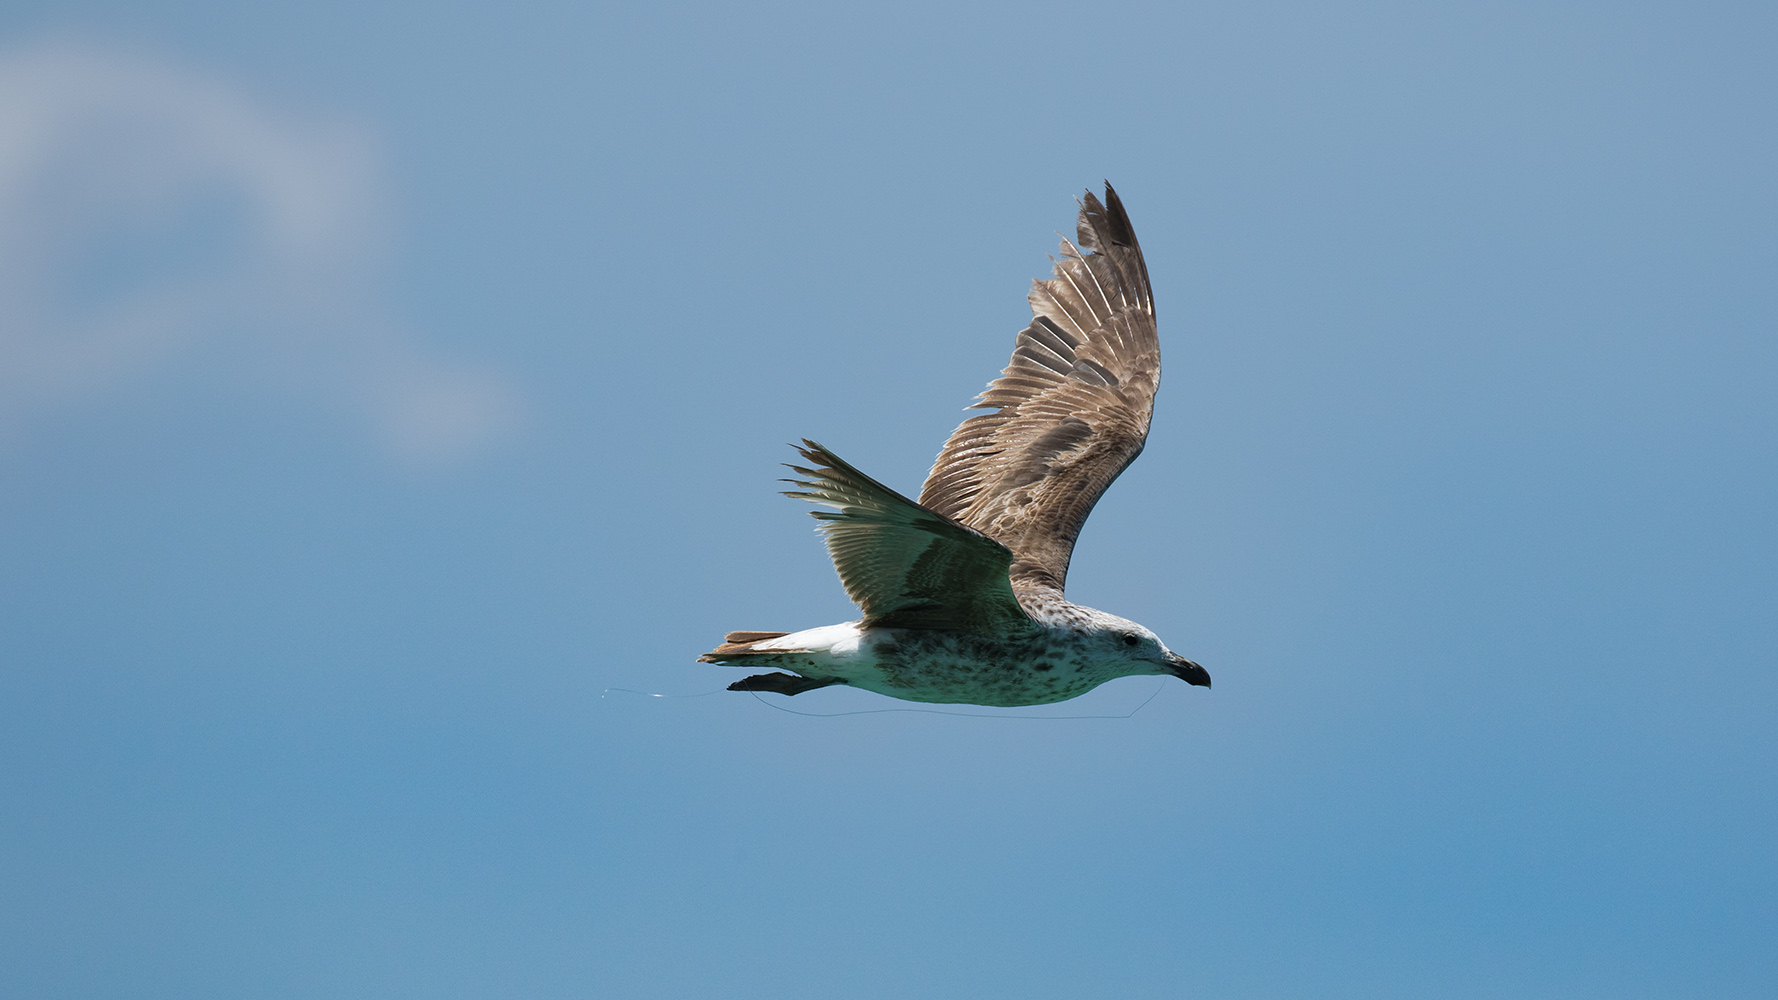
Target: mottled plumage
(962, 591)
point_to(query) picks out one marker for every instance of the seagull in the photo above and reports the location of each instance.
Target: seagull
(962, 590)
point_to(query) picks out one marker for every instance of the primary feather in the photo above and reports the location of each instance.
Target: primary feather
(1070, 411)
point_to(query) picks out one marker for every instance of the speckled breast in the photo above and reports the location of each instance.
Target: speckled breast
(954, 668)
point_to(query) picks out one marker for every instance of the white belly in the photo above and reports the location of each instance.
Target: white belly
(932, 667)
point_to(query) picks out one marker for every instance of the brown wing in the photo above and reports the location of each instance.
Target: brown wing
(1069, 413)
(906, 566)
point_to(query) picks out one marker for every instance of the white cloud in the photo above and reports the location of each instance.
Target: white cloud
(153, 218)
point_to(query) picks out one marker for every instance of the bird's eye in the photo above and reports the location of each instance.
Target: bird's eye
(1131, 640)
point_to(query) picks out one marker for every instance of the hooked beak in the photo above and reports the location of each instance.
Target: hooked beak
(1187, 671)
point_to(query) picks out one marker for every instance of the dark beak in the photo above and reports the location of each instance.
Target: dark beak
(1188, 671)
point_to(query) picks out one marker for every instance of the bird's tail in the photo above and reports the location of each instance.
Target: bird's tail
(737, 648)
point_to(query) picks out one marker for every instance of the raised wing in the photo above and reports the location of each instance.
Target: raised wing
(1070, 411)
(906, 566)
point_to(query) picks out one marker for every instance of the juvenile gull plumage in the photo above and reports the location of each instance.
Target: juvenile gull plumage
(962, 591)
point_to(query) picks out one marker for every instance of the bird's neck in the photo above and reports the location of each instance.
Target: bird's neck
(1047, 607)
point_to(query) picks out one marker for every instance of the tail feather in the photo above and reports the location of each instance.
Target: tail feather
(740, 637)
(740, 644)
(739, 649)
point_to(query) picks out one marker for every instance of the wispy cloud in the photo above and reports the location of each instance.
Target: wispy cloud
(153, 218)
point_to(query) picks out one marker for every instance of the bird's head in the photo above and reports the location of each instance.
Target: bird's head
(1138, 651)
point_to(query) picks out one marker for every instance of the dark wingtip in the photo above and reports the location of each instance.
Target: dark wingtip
(1104, 224)
(1121, 229)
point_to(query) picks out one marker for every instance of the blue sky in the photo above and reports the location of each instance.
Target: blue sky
(379, 388)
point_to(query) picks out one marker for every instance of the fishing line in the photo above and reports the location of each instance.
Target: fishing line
(961, 715)
(884, 711)
(651, 694)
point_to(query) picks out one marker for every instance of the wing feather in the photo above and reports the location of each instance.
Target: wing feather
(905, 565)
(1071, 410)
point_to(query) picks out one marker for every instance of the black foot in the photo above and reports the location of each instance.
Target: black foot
(781, 683)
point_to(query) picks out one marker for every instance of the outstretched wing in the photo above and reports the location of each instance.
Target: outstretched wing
(1070, 411)
(907, 566)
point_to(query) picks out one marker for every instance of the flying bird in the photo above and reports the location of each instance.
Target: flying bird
(962, 590)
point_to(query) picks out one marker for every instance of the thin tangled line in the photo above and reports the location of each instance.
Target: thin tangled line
(883, 711)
